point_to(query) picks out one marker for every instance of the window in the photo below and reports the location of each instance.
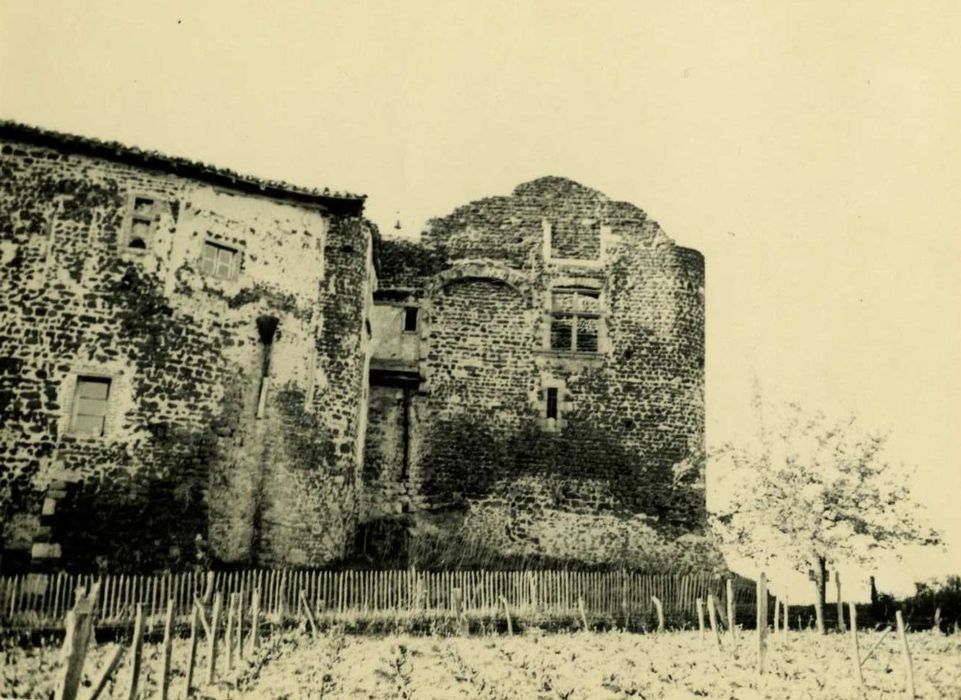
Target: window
(552, 406)
(90, 406)
(220, 261)
(141, 221)
(410, 319)
(551, 403)
(575, 320)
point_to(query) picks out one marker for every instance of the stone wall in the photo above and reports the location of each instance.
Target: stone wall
(181, 348)
(625, 448)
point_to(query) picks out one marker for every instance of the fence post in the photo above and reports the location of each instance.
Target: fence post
(101, 681)
(307, 611)
(507, 613)
(659, 607)
(712, 619)
(700, 618)
(906, 651)
(580, 605)
(229, 633)
(165, 651)
(240, 623)
(192, 651)
(255, 620)
(837, 586)
(855, 650)
(761, 621)
(212, 639)
(729, 591)
(136, 649)
(79, 631)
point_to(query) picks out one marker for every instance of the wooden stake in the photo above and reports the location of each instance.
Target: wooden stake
(777, 617)
(310, 616)
(192, 652)
(240, 623)
(906, 651)
(101, 681)
(873, 649)
(457, 595)
(580, 604)
(212, 639)
(507, 613)
(229, 633)
(659, 607)
(165, 650)
(855, 650)
(729, 591)
(700, 618)
(712, 619)
(79, 631)
(761, 621)
(837, 586)
(202, 616)
(209, 588)
(136, 649)
(255, 620)
(74, 653)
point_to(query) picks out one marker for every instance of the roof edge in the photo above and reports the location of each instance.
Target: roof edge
(342, 203)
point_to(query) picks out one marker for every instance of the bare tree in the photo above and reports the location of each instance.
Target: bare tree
(814, 492)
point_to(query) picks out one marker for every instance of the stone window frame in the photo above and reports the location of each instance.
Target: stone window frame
(109, 423)
(131, 216)
(573, 286)
(236, 265)
(605, 235)
(559, 386)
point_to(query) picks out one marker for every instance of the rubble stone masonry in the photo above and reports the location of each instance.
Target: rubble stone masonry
(198, 366)
(224, 321)
(584, 448)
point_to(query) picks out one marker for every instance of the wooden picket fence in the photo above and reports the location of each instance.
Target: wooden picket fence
(39, 601)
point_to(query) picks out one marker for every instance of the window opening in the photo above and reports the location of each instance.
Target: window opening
(143, 217)
(552, 403)
(410, 319)
(220, 261)
(90, 406)
(575, 320)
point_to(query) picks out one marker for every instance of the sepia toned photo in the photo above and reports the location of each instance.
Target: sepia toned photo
(504, 350)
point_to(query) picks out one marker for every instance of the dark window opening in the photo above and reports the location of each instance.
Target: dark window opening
(143, 216)
(552, 403)
(410, 319)
(90, 406)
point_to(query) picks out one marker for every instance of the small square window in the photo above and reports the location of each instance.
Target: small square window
(220, 261)
(410, 319)
(90, 406)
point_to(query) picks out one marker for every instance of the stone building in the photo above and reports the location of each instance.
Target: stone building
(183, 353)
(537, 381)
(196, 364)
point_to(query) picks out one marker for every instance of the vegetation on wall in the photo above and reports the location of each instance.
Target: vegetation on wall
(141, 520)
(465, 455)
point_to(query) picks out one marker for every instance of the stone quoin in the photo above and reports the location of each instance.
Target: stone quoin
(201, 367)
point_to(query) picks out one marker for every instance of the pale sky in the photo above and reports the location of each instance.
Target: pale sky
(810, 150)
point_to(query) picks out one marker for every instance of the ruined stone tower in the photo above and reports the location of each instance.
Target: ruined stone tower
(537, 381)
